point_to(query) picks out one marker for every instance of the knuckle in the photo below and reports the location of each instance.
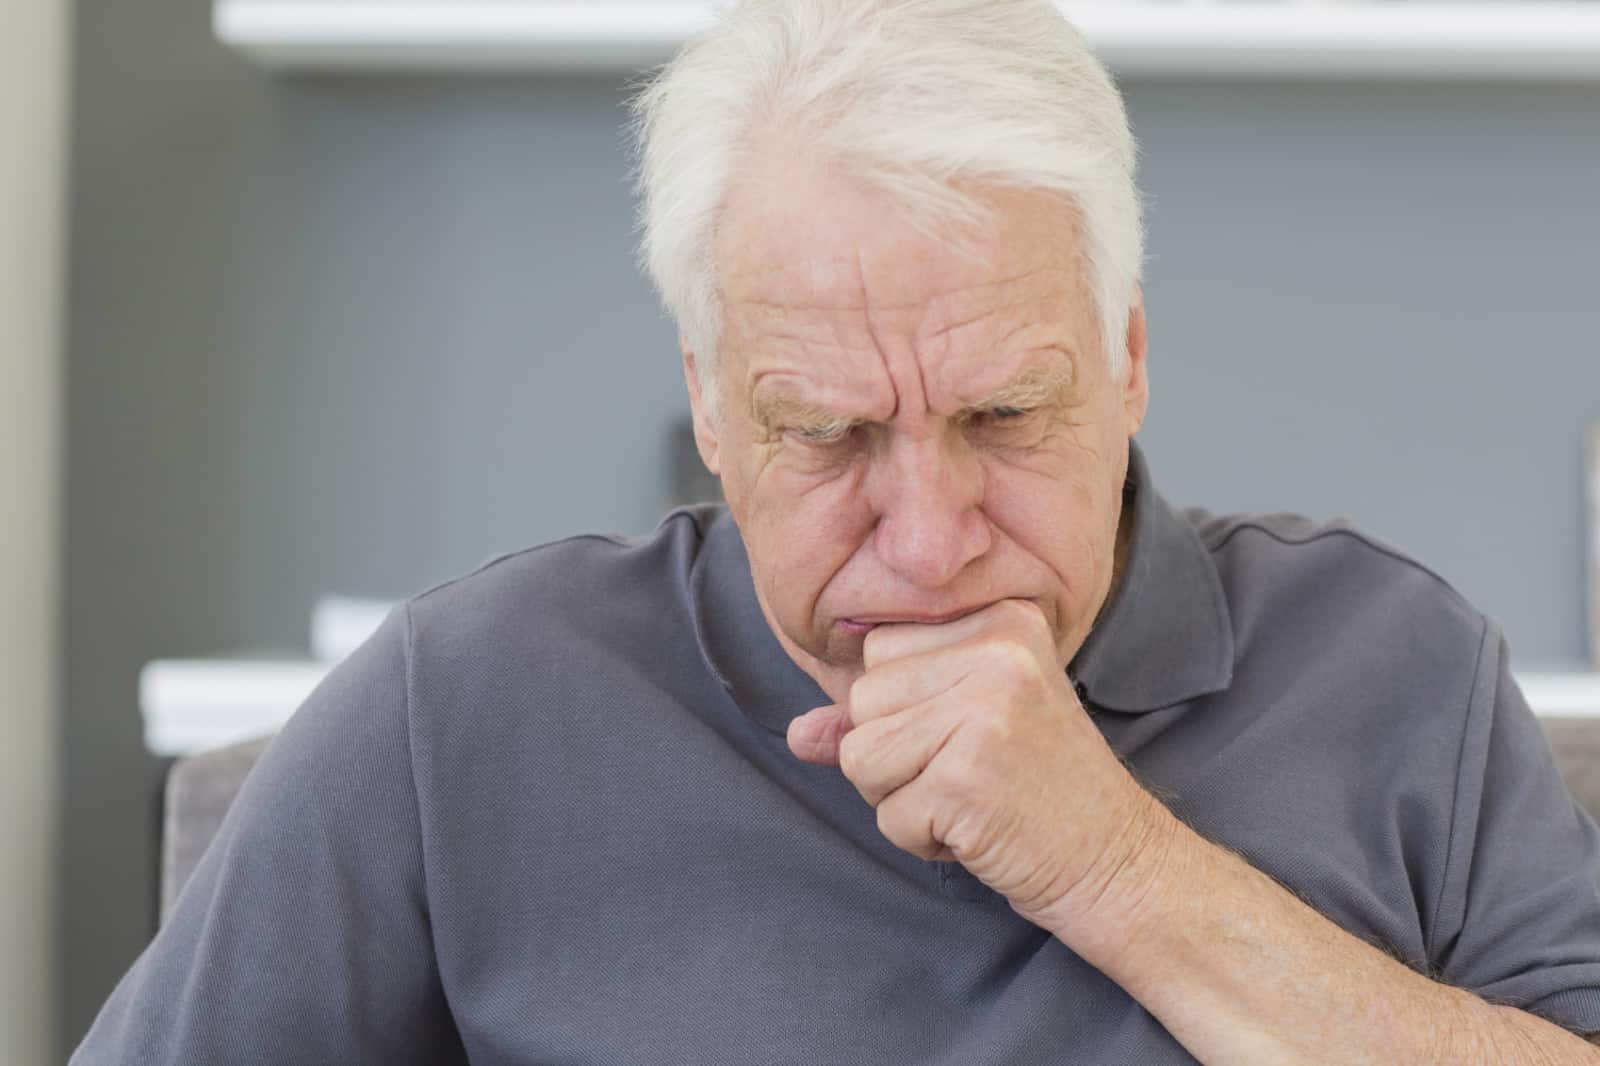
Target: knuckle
(1022, 613)
(995, 726)
(1011, 662)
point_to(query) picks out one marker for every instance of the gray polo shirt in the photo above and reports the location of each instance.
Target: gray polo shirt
(547, 815)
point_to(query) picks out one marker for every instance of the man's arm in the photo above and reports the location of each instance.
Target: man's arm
(1241, 971)
(304, 934)
(972, 747)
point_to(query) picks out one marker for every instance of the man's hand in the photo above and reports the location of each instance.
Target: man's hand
(972, 745)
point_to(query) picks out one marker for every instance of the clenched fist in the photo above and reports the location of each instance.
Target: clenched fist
(969, 740)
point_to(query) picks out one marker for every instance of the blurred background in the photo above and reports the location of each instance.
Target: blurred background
(346, 303)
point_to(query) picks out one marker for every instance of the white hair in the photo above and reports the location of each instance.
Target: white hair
(913, 97)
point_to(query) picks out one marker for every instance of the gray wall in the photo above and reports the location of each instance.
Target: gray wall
(356, 336)
(1382, 302)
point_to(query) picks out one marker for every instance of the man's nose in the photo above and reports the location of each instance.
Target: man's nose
(926, 492)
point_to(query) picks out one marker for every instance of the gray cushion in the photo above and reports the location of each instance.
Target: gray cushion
(201, 787)
(1576, 742)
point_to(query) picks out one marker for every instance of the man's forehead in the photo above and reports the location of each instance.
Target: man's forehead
(968, 344)
(833, 297)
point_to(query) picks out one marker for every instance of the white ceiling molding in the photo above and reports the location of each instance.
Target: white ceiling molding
(1521, 40)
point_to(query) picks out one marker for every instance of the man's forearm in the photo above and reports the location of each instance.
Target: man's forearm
(1241, 971)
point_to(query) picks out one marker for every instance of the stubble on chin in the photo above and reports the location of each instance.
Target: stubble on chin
(843, 650)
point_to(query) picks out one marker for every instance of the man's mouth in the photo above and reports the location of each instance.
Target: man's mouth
(867, 623)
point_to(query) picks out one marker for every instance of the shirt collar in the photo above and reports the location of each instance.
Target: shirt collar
(739, 646)
(1164, 638)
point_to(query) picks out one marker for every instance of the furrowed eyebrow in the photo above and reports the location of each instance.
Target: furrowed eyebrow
(1034, 388)
(772, 408)
(776, 407)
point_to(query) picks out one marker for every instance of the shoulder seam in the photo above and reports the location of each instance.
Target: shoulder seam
(604, 538)
(1352, 534)
(409, 660)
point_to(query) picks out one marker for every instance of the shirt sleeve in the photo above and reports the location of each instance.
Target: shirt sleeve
(303, 935)
(1519, 921)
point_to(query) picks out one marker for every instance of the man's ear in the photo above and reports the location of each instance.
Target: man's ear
(705, 431)
(1136, 378)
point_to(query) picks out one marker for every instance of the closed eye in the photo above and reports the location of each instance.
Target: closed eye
(999, 414)
(829, 433)
(1003, 426)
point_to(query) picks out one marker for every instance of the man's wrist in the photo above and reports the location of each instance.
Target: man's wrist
(1124, 892)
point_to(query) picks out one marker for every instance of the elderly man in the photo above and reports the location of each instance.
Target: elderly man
(947, 740)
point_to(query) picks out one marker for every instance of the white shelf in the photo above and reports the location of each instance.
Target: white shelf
(1562, 695)
(1536, 40)
(194, 705)
(341, 624)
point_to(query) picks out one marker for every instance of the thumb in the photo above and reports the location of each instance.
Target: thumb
(814, 736)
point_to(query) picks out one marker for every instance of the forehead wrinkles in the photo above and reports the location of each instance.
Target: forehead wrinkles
(977, 314)
(776, 289)
(821, 355)
(953, 350)
(980, 340)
